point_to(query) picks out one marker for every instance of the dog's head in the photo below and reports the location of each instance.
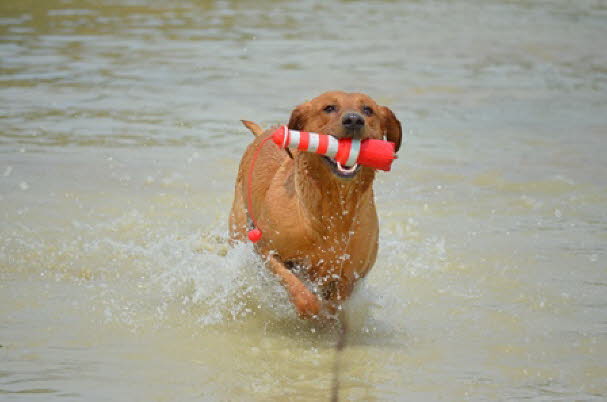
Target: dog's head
(346, 115)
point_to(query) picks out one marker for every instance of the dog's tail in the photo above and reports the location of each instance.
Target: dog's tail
(255, 129)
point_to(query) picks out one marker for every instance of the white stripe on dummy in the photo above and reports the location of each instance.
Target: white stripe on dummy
(354, 151)
(294, 139)
(313, 142)
(332, 147)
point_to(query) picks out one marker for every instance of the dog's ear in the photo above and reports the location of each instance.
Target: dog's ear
(298, 117)
(392, 127)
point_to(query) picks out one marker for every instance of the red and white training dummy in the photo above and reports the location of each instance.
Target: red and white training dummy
(377, 154)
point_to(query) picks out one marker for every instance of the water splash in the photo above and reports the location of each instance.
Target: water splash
(225, 283)
(140, 270)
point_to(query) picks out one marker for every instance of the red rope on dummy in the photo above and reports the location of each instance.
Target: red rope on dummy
(254, 234)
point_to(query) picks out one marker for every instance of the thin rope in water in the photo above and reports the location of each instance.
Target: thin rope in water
(339, 346)
(341, 339)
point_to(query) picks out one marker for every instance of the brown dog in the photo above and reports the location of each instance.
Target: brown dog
(318, 218)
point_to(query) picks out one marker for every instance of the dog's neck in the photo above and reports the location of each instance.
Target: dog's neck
(328, 202)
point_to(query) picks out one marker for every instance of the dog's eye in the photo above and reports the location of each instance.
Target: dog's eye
(367, 110)
(330, 108)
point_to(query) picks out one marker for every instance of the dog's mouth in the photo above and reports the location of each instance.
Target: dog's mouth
(342, 171)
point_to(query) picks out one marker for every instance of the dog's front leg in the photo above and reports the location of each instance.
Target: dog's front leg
(306, 303)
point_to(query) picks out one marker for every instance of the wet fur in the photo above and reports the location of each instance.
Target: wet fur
(312, 220)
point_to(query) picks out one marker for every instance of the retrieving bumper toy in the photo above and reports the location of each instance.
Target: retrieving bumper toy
(377, 154)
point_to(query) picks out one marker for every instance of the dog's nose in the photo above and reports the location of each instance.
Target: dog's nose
(352, 121)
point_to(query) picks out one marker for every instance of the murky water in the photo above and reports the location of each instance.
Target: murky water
(119, 144)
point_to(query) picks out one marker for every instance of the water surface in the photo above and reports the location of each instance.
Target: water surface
(120, 142)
